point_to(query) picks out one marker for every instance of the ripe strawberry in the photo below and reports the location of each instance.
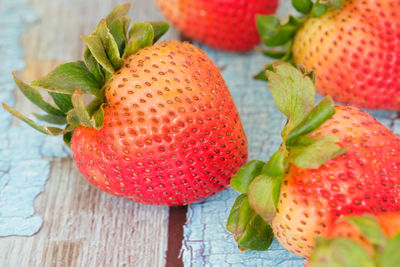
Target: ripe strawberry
(353, 50)
(163, 128)
(226, 25)
(366, 240)
(334, 161)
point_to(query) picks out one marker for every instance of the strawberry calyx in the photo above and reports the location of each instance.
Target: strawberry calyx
(345, 252)
(107, 47)
(278, 34)
(259, 182)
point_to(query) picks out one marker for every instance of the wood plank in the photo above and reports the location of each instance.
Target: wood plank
(82, 226)
(86, 227)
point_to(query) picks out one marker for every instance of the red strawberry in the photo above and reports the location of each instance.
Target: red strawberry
(354, 50)
(366, 240)
(167, 131)
(334, 161)
(227, 25)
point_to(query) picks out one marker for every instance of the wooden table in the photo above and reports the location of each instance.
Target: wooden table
(83, 226)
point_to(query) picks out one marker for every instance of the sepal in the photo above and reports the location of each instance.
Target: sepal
(140, 35)
(49, 118)
(67, 77)
(390, 256)
(49, 130)
(249, 229)
(370, 228)
(110, 45)
(245, 175)
(303, 6)
(263, 195)
(85, 118)
(317, 116)
(36, 98)
(98, 51)
(315, 154)
(339, 252)
(287, 82)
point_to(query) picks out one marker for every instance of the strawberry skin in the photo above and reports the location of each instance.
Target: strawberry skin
(364, 179)
(355, 53)
(171, 133)
(226, 25)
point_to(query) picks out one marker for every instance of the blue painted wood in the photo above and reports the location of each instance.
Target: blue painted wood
(23, 166)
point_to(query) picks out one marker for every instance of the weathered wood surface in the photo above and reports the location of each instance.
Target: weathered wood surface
(85, 227)
(82, 226)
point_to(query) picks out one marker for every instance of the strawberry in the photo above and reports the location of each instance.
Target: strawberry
(334, 161)
(226, 25)
(365, 240)
(162, 127)
(351, 45)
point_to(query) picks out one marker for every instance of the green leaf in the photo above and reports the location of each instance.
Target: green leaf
(390, 256)
(72, 118)
(282, 35)
(36, 98)
(249, 229)
(295, 21)
(67, 138)
(96, 120)
(53, 119)
(118, 32)
(370, 228)
(109, 44)
(267, 25)
(304, 141)
(317, 153)
(303, 6)
(125, 24)
(232, 223)
(263, 195)
(63, 101)
(94, 105)
(93, 66)
(118, 12)
(276, 165)
(242, 178)
(159, 28)
(98, 117)
(98, 51)
(140, 36)
(293, 93)
(43, 129)
(274, 54)
(319, 9)
(80, 108)
(67, 77)
(336, 3)
(261, 76)
(339, 252)
(317, 116)
(275, 34)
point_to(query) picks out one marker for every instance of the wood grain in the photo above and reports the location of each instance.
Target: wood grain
(86, 227)
(82, 226)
